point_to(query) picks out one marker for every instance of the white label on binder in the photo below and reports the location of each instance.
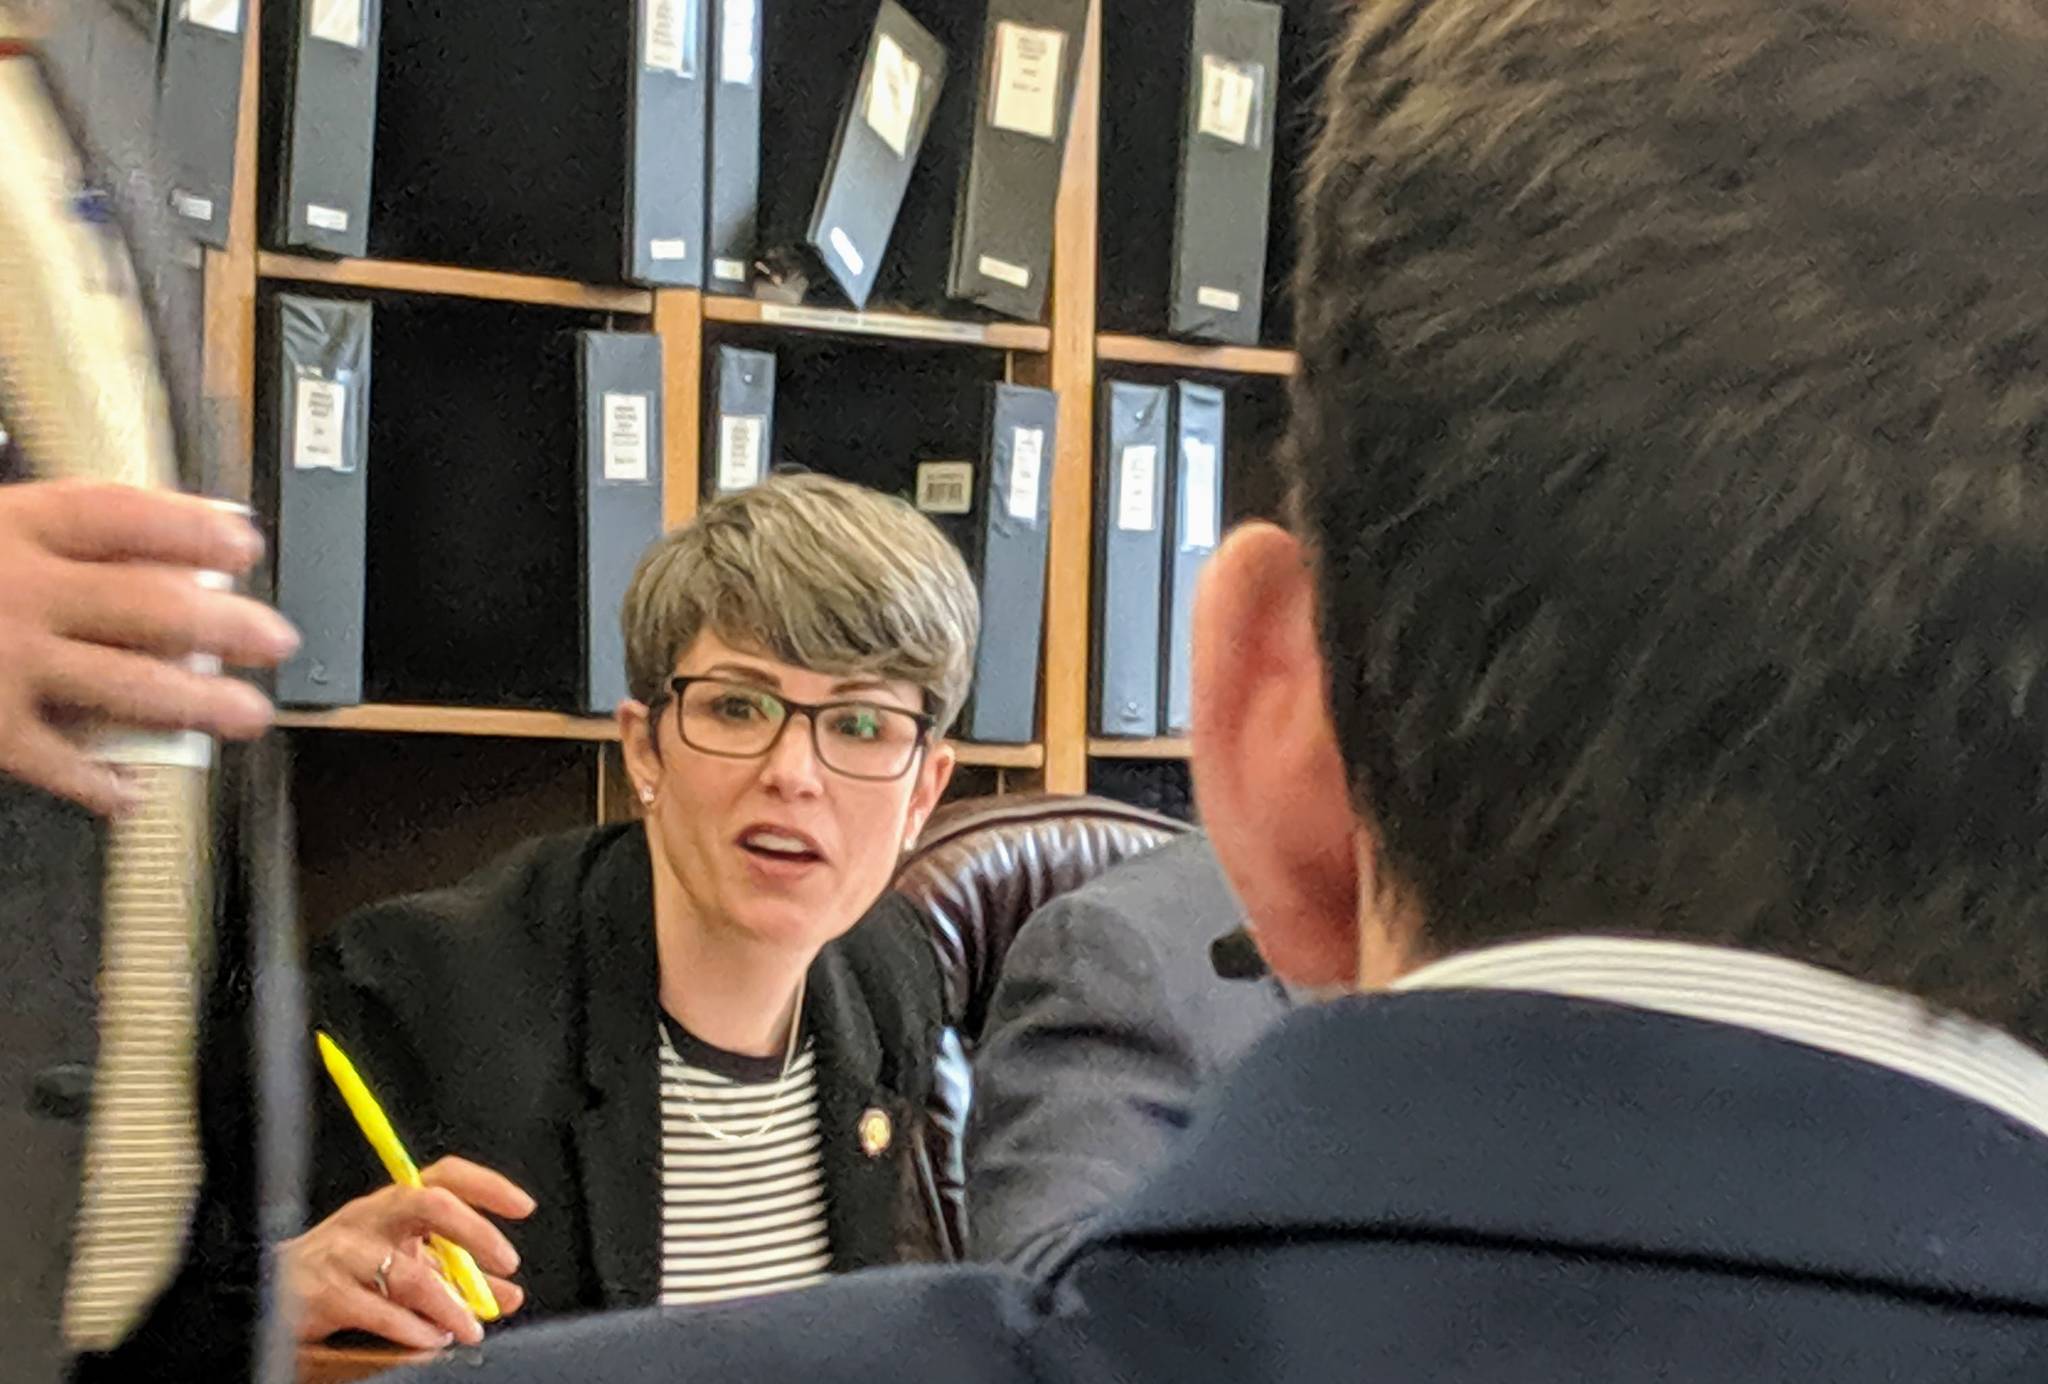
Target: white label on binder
(891, 107)
(1221, 299)
(1230, 97)
(739, 451)
(221, 16)
(337, 21)
(1198, 520)
(731, 271)
(191, 205)
(1002, 271)
(665, 36)
(1137, 482)
(625, 437)
(326, 218)
(848, 256)
(319, 422)
(736, 42)
(1027, 77)
(1027, 455)
(945, 487)
(668, 249)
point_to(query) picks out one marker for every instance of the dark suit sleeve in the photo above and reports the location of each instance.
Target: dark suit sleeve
(1083, 1079)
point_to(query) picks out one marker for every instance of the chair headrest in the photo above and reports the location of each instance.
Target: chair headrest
(984, 865)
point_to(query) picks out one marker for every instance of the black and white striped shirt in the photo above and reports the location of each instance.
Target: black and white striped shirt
(744, 1214)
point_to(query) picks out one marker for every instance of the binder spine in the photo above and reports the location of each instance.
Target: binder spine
(734, 163)
(742, 433)
(315, 478)
(668, 134)
(326, 123)
(1194, 521)
(620, 377)
(199, 94)
(1021, 444)
(1128, 550)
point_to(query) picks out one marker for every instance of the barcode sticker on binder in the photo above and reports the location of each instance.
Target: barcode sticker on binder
(1221, 299)
(665, 36)
(1027, 80)
(338, 21)
(1230, 98)
(221, 16)
(891, 107)
(736, 42)
(1002, 271)
(1137, 482)
(319, 425)
(739, 451)
(1198, 521)
(1027, 456)
(326, 218)
(945, 487)
(625, 437)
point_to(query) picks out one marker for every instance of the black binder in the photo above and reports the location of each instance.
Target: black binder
(620, 375)
(560, 137)
(518, 478)
(199, 95)
(1129, 553)
(734, 165)
(741, 435)
(313, 487)
(1189, 90)
(977, 221)
(319, 116)
(1194, 524)
(1008, 556)
(841, 171)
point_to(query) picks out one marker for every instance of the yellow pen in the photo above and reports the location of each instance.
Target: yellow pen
(457, 1267)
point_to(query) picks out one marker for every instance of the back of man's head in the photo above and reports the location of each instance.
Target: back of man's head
(1670, 444)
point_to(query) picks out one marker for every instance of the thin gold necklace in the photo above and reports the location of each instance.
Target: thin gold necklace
(796, 1025)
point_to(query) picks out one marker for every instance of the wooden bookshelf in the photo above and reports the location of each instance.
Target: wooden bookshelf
(1186, 355)
(544, 753)
(896, 326)
(1163, 747)
(509, 724)
(398, 276)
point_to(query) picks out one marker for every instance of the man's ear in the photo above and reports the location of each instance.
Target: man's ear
(1268, 777)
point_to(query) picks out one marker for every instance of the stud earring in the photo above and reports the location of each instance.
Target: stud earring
(647, 796)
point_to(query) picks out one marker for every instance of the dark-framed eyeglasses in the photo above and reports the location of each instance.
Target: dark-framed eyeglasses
(866, 740)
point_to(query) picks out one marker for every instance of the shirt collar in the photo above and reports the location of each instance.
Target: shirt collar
(1768, 994)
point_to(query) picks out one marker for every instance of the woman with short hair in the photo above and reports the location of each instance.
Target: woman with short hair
(663, 1050)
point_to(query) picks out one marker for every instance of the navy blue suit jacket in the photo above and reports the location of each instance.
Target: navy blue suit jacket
(1462, 1187)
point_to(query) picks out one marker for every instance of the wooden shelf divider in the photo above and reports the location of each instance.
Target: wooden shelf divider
(1184, 355)
(1162, 747)
(897, 326)
(402, 277)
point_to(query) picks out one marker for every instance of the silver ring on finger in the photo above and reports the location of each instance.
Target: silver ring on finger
(381, 1276)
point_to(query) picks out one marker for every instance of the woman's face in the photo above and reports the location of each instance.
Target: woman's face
(781, 848)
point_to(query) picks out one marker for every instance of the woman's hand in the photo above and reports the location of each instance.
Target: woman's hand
(332, 1271)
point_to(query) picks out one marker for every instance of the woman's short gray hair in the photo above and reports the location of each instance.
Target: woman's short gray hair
(815, 572)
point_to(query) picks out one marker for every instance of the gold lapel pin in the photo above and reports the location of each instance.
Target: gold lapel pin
(875, 1132)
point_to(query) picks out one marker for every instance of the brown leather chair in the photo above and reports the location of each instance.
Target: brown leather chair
(983, 866)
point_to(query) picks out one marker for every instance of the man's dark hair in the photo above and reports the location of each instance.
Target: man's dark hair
(1671, 440)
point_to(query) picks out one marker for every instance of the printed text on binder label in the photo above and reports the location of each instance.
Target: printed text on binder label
(736, 42)
(1221, 299)
(1230, 98)
(665, 35)
(1027, 455)
(891, 107)
(326, 218)
(739, 451)
(319, 419)
(1027, 77)
(338, 21)
(1198, 520)
(1137, 472)
(1002, 271)
(945, 487)
(221, 16)
(625, 437)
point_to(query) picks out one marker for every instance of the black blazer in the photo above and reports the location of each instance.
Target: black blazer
(1469, 1188)
(512, 1019)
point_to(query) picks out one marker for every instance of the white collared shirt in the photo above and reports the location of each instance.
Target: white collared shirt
(1767, 994)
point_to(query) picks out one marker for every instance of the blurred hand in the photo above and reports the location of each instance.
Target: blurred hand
(100, 599)
(330, 1272)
